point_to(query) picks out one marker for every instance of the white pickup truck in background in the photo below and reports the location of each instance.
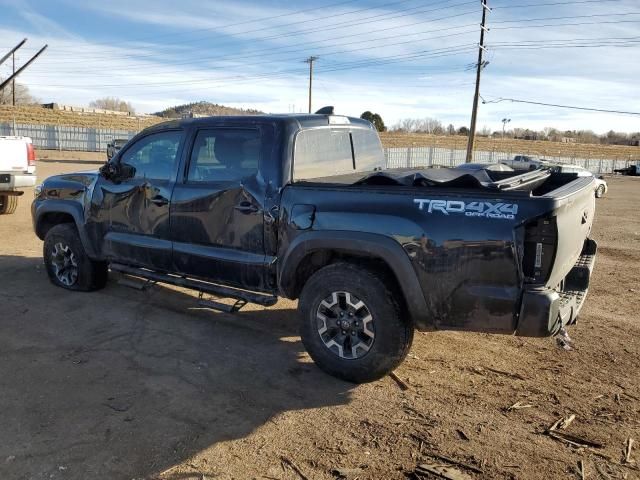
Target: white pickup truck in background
(17, 170)
(525, 162)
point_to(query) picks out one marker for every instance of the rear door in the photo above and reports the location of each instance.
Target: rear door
(130, 216)
(217, 212)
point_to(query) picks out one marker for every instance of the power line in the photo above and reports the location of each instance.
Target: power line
(332, 53)
(368, 41)
(349, 65)
(260, 19)
(572, 2)
(270, 62)
(287, 73)
(523, 20)
(343, 24)
(615, 22)
(573, 107)
(340, 52)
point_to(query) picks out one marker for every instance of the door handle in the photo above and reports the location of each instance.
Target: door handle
(159, 200)
(246, 207)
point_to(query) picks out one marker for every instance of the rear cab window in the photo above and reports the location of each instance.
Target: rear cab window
(329, 152)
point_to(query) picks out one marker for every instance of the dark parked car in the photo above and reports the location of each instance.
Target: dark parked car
(631, 170)
(300, 206)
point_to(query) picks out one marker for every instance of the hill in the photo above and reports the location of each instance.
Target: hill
(204, 109)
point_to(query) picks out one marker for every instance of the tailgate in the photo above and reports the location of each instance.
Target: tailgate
(13, 154)
(554, 243)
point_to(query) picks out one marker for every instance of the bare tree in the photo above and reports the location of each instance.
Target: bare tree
(23, 96)
(420, 125)
(429, 125)
(485, 132)
(112, 103)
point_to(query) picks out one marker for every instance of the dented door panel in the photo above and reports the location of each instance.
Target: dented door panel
(217, 232)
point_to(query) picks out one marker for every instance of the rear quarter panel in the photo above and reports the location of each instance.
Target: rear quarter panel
(467, 266)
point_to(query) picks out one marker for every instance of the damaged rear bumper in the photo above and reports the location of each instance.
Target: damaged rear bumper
(544, 311)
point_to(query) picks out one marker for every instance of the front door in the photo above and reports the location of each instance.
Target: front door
(217, 210)
(131, 214)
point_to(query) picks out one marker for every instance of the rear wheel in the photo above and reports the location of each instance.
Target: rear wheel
(8, 204)
(67, 263)
(600, 191)
(352, 324)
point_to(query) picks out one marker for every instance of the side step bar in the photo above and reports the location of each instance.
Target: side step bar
(198, 285)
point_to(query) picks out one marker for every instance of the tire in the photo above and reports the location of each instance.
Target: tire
(8, 204)
(67, 263)
(343, 285)
(599, 191)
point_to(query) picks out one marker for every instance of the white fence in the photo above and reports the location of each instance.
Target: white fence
(53, 137)
(415, 157)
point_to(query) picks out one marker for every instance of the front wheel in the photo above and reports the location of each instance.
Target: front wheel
(352, 324)
(600, 191)
(67, 263)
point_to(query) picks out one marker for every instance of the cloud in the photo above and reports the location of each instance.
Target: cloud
(41, 24)
(160, 61)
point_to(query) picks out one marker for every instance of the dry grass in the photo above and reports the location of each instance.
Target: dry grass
(540, 148)
(46, 116)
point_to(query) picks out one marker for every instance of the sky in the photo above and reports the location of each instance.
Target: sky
(398, 58)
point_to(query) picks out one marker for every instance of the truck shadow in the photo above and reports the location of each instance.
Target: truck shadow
(125, 384)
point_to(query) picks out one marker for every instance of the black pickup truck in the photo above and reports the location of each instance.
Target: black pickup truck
(301, 206)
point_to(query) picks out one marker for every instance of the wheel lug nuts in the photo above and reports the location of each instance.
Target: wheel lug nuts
(353, 332)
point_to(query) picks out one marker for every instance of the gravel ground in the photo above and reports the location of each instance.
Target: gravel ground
(122, 384)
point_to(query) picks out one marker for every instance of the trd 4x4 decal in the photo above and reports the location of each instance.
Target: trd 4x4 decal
(505, 211)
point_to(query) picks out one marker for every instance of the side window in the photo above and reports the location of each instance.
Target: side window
(224, 154)
(154, 156)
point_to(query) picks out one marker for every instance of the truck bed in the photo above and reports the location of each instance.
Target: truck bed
(476, 241)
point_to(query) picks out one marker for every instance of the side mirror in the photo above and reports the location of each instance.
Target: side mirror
(109, 171)
(117, 172)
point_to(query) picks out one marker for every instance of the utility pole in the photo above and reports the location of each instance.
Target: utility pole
(13, 82)
(480, 66)
(14, 75)
(310, 61)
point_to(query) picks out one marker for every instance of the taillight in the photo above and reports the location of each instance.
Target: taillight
(31, 155)
(540, 240)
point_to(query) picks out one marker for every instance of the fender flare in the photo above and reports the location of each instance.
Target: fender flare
(64, 206)
(361, 244)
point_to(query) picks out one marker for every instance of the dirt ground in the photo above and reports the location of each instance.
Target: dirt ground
(123, 384)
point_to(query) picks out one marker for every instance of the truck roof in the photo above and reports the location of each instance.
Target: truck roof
(295, 120)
